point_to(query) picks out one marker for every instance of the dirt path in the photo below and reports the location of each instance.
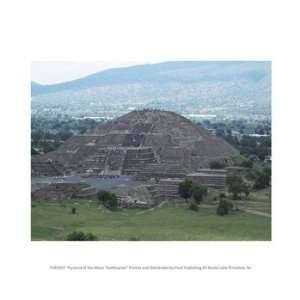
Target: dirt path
(250, 211)
(255, 212)
(151, 209)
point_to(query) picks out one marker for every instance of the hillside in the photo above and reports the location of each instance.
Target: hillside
(190, 87)
(180, 72)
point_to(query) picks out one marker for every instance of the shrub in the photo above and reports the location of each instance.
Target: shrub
(263, 179)
(34, 151)
(194, 206)
(217, 164)
(246, 189)
(185, 189)
(73, 210)
(247, 163)
(261, 182)
(90, 237)
(199, 192)
(224, 207)
(222, 195)
(81, 236)
(235, 186)
(229, 205)
(221, 211)
(108, 199)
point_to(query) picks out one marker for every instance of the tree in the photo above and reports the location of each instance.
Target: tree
(262, 181)
(34, 151)
(263, 178)
(108, 199)
(235, 186)
(199, 192)
(222, 195)
(246, 189)
(223, 207)
(247, 163)
(217, 164)
(185, 189)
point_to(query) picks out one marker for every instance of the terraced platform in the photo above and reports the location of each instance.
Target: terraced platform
(145, 144)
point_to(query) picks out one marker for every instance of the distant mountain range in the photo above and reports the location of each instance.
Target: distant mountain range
(180, 72)
(197, 86)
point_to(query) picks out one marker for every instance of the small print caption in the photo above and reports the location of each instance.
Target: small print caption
(151, 267)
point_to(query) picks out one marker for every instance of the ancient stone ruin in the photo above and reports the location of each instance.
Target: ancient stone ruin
(63, 191)
(145, 145)
(211, 178)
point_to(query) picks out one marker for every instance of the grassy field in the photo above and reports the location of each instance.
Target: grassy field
(259, 201)
(171, 222)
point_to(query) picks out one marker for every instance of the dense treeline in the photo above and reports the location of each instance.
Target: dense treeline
(252, 147)
(239, 133)
(48, 134)
(241, 126)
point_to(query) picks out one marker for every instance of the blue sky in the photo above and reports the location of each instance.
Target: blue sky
(53, 72)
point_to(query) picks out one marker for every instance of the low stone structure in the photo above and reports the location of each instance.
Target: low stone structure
(210, 177)
(161, 170)
(137, 159)
(46, 167)
(134, 196)
(235, 170)
(166, 189)
(63, 191)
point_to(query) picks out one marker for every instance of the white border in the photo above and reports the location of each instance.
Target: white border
(152, 30)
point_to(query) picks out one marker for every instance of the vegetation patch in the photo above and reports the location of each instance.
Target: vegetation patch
(171, 222)
(81, 236)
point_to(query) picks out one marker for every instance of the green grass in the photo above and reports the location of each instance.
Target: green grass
(168, 223)
(257, 200)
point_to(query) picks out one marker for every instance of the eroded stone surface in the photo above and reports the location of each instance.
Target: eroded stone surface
(145, 143)
(156, 148)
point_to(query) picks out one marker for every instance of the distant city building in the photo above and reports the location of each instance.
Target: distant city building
(258, 135)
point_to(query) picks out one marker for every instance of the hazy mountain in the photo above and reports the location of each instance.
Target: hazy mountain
(194, 86)
(36, 88)
(181, 72)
